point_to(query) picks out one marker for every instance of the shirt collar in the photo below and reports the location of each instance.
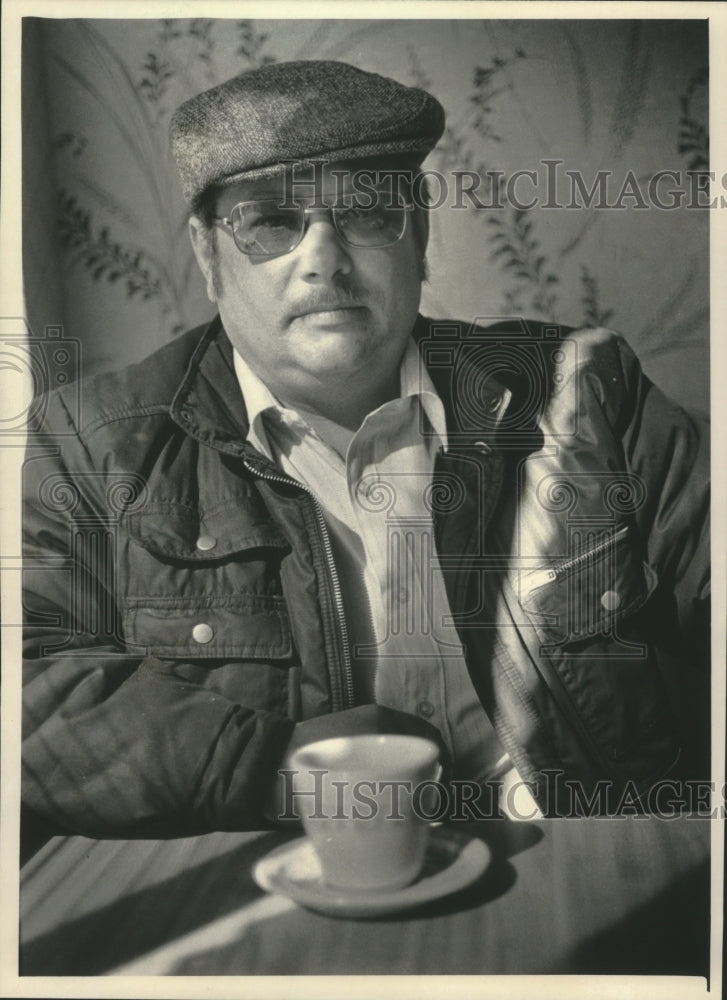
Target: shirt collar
(415, 381)
(259, 400)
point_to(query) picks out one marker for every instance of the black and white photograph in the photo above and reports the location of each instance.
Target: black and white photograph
(360, 372)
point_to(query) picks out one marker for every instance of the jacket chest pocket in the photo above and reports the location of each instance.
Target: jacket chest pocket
(594, 618)
(585, 595)
(201, 587)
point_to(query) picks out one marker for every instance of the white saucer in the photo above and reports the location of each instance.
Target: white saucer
(453, 861)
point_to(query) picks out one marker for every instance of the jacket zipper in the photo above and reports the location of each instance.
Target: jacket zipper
(347, 699)
(540, 577)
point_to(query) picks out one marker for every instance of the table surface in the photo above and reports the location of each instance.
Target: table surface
(586, 896)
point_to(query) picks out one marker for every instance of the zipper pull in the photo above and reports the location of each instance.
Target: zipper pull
(537, 578)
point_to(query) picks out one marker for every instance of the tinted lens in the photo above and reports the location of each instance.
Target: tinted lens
(376, 224)
(263, 227)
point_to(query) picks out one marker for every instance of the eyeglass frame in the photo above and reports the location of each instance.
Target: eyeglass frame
(306, 210)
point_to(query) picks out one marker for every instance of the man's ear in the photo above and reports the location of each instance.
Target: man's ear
(204, 250)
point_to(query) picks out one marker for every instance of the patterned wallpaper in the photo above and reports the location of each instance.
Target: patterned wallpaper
(536, 109)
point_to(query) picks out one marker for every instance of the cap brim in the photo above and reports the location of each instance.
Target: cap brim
(414, 149)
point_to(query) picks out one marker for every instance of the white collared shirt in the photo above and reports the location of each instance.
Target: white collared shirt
(373, 486)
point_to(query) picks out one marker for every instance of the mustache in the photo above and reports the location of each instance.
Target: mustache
(324, 299)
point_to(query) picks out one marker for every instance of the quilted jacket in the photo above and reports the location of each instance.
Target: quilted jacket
(183, 608)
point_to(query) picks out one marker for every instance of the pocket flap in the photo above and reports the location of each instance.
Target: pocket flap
(241, 626)
(582, 596)
(176, 531)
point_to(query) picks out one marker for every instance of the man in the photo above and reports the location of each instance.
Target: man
(326, 514)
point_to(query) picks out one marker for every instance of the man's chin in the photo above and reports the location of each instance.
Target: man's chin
(334, 348)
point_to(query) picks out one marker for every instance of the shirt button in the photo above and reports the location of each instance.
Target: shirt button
(202, 633)
(611, 600)
(426, 709)
(206, 542)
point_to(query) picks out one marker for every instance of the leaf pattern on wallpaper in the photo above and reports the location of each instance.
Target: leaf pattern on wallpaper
(519, 96)
(251, 44)
(513, 244)
(457, 148)
(155, 82)
(200, 28)
(98, 252)
(180, 62)
(593, 313)
(633, 80)
(73, 142)
(517, 249)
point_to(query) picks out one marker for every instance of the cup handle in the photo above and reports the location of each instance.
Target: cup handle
(437, 777)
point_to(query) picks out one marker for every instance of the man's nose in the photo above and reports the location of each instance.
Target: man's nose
(322, 253)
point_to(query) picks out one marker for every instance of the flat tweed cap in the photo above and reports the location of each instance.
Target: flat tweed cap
(245, 128)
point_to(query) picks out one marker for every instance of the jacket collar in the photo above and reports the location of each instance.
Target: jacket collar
(209, 406)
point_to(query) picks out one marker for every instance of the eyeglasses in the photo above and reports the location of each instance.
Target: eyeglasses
(267, 228)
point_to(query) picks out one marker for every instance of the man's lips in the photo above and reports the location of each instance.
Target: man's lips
(327, 310)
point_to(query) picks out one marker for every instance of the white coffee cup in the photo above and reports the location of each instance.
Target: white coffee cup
(358, 801)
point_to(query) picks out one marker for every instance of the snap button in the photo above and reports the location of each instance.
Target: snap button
(206, 542)
(611, 600)
(426, 709)
(202, 633)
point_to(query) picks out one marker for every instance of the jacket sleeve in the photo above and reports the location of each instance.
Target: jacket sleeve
(668, 449)
(115, 744)
(665, 451)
